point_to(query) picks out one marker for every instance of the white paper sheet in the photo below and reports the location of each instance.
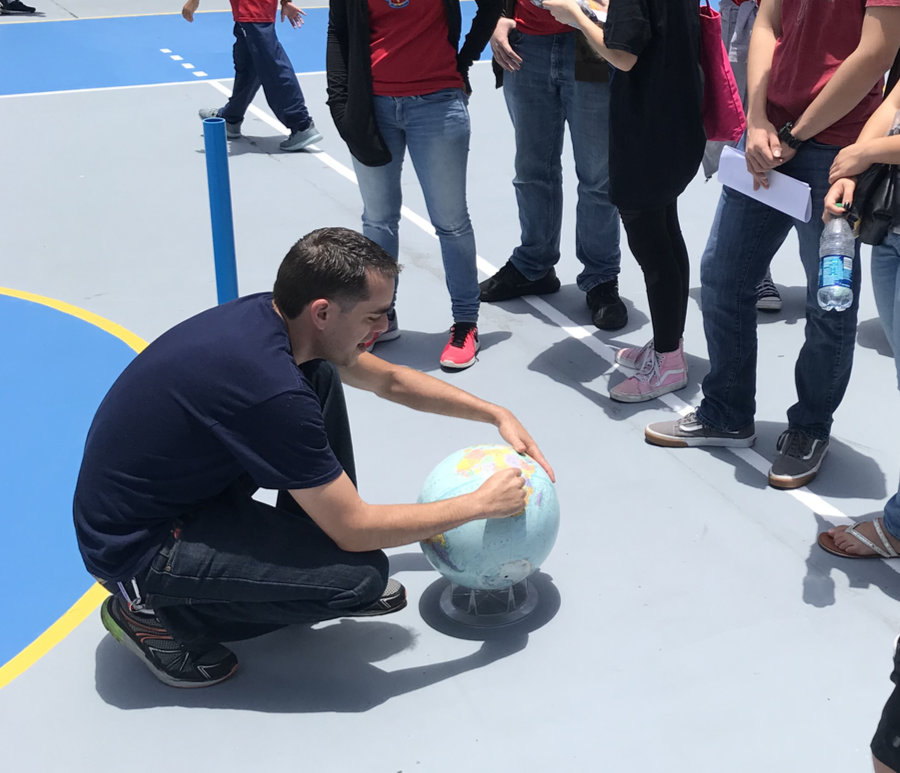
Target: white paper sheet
(784, 193)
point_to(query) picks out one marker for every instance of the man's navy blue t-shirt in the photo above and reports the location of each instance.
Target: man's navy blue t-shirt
(214, 399)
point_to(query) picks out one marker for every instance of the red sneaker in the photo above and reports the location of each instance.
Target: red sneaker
(460, 350)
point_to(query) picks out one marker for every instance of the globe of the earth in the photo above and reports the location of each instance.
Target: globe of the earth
(492, 553)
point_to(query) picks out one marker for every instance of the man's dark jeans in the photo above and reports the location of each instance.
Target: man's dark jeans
(237, 568)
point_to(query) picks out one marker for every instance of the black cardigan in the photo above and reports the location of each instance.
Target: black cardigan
(349, 67)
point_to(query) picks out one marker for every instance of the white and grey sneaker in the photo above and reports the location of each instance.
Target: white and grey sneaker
(301, 138)
(690, 431)
(232, 130)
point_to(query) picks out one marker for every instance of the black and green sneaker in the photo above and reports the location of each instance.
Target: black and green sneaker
(169, 660)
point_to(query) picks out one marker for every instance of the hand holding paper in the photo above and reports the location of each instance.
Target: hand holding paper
(784, 193)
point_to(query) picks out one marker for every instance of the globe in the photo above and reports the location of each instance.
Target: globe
(491, 553)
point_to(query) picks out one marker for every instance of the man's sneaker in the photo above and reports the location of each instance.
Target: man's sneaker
(232, 130)
(634, 356)
(392, 599)
(660, 373)
(767, 296)
(607, 310)
(509, 283)
(392, 332)
(460, 350)
(690, 431)
(300, 138)
(16, 6)
(167, 659)
(800, 457)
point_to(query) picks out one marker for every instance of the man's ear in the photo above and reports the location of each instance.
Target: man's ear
(320, 312)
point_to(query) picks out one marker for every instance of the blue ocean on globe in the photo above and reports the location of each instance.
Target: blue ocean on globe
(495, 553)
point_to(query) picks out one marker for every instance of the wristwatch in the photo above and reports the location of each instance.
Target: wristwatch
(784, 134)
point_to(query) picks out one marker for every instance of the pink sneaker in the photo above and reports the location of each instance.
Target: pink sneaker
(660, 373)
(460, 350)
(634, 357)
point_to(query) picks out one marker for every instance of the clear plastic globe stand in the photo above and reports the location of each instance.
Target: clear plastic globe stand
(489, 608)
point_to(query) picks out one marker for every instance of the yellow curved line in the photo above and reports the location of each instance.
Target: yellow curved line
(76, 614)
(123, 334)
(70, 620)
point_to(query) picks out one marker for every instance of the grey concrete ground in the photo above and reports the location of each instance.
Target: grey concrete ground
(687, 623)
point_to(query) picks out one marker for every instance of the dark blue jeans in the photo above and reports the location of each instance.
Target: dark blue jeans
(744, 237)
(260, 60)
(542, 96)
(236, 568)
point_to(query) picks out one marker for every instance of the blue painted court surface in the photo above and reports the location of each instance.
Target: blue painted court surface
(127, 51)
(56, 370)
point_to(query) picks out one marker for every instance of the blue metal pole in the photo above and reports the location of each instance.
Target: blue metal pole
(220, 208)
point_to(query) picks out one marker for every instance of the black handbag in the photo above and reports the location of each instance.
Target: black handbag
(874, 203)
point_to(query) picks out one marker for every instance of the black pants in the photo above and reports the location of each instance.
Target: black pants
(237, 568)
(886, 743)
(654, 237)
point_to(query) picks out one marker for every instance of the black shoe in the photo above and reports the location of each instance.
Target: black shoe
(799, 459)
(509, 283)
(607, 310)
(167, 659)
(16, 6)
(393, 599)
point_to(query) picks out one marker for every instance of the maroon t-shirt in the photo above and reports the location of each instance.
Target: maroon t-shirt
(816, 38)
(533, 20)
(411, 54)
(254, 10)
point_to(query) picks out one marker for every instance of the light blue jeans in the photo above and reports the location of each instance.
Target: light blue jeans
(886, 287)
(542, 96)
(435, 129)
(745, 235)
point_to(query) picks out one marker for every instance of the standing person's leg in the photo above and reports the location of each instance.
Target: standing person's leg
(659, 249)
(823, 366)
(246, 81)
(885, 744)
(280, 85)
(534, 102)
(437, 133)
(844, 540)
(745, 235)
(586, 107)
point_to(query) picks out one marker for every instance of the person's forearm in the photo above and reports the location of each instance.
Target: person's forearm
(846, 89)
(425, 393)
(759, 62)
(621, 60)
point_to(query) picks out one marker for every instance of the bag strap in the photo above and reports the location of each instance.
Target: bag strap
(893, 75)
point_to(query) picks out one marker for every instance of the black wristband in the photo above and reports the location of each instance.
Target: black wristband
(784, 134)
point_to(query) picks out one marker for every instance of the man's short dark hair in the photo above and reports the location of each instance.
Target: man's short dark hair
(329, 263)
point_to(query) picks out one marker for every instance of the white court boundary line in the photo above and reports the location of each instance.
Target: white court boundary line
(808, 499)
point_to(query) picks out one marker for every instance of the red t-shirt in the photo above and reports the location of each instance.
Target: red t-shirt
(537, 21)
(411, 54)
(815, 39)
(254, 10)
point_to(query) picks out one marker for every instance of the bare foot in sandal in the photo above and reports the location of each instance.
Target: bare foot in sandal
(868, 539)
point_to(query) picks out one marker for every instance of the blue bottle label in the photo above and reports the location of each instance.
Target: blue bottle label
(836, 270)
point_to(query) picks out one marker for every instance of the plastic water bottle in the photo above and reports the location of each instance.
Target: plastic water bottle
(836, 249)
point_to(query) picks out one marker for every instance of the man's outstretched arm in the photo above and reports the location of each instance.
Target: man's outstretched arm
(425, 393)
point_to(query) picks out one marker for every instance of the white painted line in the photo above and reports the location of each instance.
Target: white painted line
(199, 73)
(187, 66)
(176, 58)
(165, 50)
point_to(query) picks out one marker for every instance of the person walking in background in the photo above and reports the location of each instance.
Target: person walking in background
(550, 78)
(260, 60)
(397, 82)
(815, 74)
(655, 149)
